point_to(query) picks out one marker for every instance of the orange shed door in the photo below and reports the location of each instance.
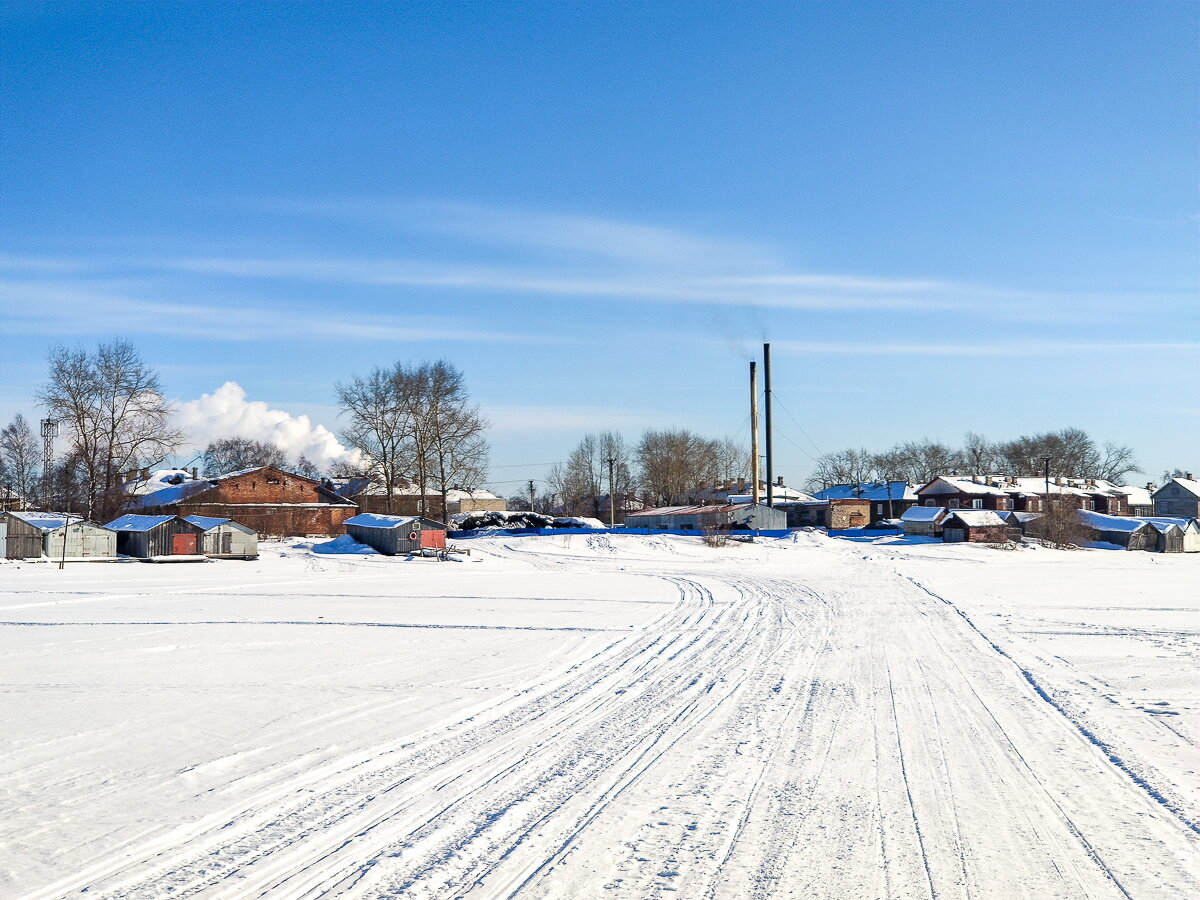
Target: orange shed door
(433, 538)
(183, 544)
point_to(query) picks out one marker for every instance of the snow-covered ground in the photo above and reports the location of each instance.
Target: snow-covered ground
(605, 716)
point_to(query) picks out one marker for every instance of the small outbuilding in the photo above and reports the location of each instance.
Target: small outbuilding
(29, 535)
(925, 521)
(1122, 531)
(977, 526)
(392, 535)
(147, 537)
(738, 517)
(225, 538)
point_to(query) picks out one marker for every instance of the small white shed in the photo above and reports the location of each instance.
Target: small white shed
(225, 538)
(925, 521)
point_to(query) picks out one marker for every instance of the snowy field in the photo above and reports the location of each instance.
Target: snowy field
(595, 716)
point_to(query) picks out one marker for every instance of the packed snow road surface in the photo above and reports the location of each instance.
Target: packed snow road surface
(621, 717)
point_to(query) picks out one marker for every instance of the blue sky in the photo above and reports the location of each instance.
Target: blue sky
(945, 217)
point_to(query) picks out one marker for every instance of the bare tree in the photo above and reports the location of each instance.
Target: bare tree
(978, 455)
(379, 425)
(20, 458)
(457, 433)
(113, 413)
(842, 467)
(306, 467)
(674, 463)
(233, 454)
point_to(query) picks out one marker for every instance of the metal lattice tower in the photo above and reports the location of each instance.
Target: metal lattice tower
(49, 432)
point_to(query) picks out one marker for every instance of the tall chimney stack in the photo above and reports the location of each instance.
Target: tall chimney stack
(754, 498)
(770, 440)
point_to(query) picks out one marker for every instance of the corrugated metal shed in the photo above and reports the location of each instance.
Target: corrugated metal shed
(34, 534)
(225, 538)
(145, 537)
(392, 535)
(697, 518)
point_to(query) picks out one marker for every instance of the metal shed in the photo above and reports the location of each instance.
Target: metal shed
(925, 521)
(392, 535)
(739, 517)
(146, 537)
(225, 538)
(34, 534)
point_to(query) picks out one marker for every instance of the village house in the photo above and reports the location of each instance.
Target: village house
(1178, 497)
(888, 499)
(407, 499)
(266, 499)
(1005, 493)
(1138, 499)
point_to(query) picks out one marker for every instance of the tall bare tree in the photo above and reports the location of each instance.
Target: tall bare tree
(378, 425)
(114, 416)
(457, 432)
(674, 463)
(20, 458)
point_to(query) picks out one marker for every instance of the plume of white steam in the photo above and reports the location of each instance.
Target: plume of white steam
(227, 413)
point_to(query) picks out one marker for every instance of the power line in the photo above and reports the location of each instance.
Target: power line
(801, 427)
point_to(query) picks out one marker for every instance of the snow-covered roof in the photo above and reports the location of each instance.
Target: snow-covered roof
(923, 514)
(205, 522)
(953, 484)
(1024, 516)
(1103, 522)
(137, 523)
(1138, 496)
(779, 495)
(869, 490)
(378, 520)
(1190, 485)
(46, 521)
(1166, 521)
(683, 510)
(977, 518)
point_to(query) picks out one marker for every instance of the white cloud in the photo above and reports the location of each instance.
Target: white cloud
(227, 413)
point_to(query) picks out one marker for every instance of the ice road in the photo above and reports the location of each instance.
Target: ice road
(602, 716)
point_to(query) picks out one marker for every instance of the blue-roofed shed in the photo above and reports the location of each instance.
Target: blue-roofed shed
(145, 537)
(225, 538)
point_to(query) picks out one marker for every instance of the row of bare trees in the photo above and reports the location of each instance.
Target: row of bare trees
(665, 466)
(1072, 453)
(415, 424)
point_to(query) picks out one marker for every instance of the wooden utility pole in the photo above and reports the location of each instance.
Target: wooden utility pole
(531, 509)
(754, 495)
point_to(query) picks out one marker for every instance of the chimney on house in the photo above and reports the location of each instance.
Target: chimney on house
(779, 481)
(146, 474)
(195, 473)
(1188, 476)
(1149, 485)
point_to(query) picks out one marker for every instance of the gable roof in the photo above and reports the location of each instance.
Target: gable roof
(977, 518)
(946, 484)
(1192, 486)
(1104, 522)
(132, 522)
(869, 490)
(206, 522)
(48, 521)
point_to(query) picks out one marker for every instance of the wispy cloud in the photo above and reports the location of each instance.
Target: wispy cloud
(83, 308)
(1013, 348)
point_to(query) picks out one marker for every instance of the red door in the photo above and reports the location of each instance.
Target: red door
(183, 544)
(433, 538)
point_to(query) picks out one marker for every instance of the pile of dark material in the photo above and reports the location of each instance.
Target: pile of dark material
(508, 521)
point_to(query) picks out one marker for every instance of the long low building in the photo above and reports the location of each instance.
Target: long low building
(736, 517)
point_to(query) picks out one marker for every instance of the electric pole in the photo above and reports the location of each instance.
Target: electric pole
(531, 509)
(1046, 469)
(612, 501)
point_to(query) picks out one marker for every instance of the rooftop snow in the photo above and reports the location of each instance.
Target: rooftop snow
(137, 523)
(978, 518)
(378, 520)
(206, 522)
(869, 490)
(923, 513)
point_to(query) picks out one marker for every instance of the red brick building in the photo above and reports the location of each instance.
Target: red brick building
(269, 500)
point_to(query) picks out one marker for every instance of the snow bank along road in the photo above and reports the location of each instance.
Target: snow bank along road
(621, 717)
